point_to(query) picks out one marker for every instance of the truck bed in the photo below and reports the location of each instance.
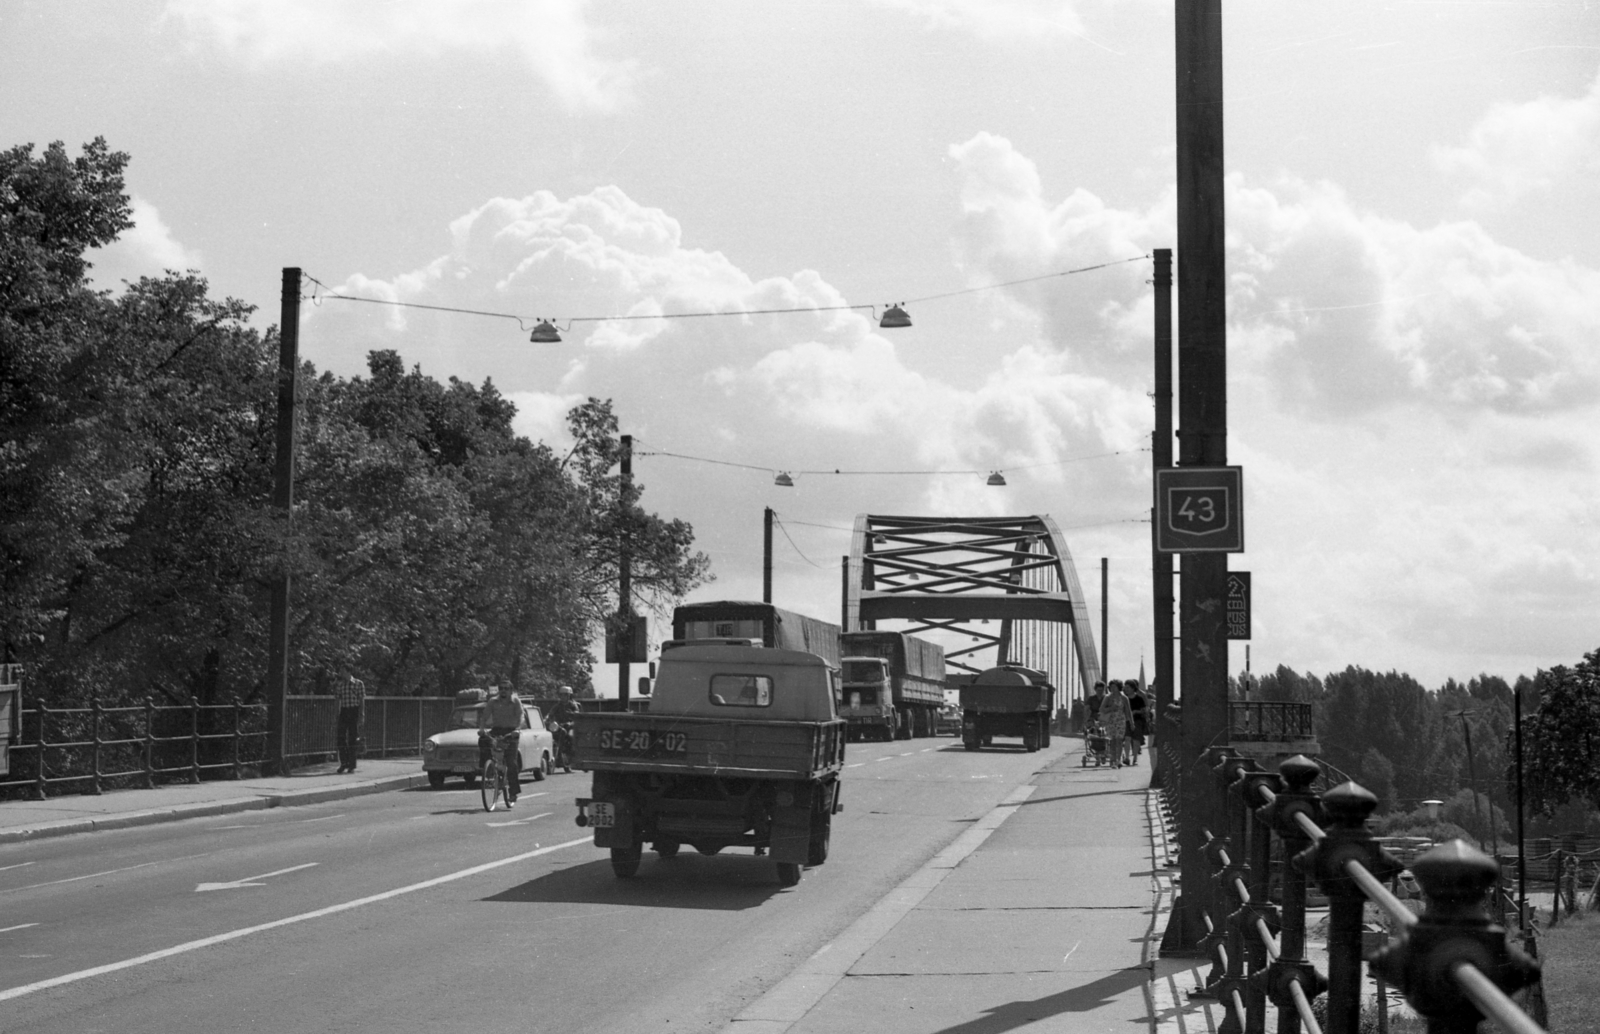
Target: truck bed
(708, 746)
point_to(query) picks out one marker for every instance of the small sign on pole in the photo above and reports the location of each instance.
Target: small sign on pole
(631, 644)
(1238, 605)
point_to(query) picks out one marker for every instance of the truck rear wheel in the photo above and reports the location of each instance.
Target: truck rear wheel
(1044, 726)
(821, 831)
(788, 873)
(969, 740)
(1030, 737)
(625, 861)
(667, 848)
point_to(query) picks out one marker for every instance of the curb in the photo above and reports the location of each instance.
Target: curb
(205, 809)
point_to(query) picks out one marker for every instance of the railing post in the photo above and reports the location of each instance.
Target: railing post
(194, 739)
(1349, 840)
(1455, 928)
(94, 751)
(238, 710)
(41, 780)
(1258, 876)
(149, 743)
(1291, 967)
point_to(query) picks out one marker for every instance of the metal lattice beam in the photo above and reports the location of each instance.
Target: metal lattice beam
(957, 574)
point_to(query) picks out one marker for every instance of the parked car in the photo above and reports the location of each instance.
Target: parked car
(455, 751)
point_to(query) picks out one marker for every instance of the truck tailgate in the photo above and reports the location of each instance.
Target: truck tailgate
(609, 741)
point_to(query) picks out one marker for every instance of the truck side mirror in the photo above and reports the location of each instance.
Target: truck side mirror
(644, 684)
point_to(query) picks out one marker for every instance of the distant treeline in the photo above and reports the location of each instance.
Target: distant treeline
(1408, 744)
(430, 547)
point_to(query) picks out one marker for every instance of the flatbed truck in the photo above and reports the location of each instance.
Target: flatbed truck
(893, 684)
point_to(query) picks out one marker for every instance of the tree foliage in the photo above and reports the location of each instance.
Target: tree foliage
(1561, 740)
(430, 547)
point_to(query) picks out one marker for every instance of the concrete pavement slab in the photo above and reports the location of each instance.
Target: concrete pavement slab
(931, 941)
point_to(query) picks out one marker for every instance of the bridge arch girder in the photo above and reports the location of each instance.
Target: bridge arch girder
(955, 575)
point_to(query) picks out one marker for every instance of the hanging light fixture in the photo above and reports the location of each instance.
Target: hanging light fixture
(544, 333)
(996, 480)
(783, 480)
(879, 540)
(894, 317)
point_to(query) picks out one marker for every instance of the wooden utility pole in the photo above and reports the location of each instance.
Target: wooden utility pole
(277, 688)
(625, 569)
(1161, 561)
(766, 555)
(1202, 432)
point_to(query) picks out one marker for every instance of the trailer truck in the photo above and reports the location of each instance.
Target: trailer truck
(762, 623)
(892, 684)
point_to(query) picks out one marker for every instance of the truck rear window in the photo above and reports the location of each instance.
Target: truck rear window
(741, 690)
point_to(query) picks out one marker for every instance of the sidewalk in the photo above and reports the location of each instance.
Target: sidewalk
(119, 809)
(1046, 916)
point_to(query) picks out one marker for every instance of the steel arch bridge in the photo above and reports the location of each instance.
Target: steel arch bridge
(1003, 584)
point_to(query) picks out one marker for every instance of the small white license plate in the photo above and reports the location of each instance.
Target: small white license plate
(602, 815)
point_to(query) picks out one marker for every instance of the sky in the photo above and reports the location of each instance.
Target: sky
(1413, 263)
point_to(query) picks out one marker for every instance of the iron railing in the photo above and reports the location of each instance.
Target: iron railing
(91, 749)
(1453, 962)
(1269, 720)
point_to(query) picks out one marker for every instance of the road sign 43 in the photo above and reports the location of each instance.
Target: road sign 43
(1200, 510)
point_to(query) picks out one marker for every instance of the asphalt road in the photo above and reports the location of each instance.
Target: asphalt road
(417, 911)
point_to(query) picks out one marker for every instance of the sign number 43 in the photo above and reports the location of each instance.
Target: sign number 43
(1200, 510)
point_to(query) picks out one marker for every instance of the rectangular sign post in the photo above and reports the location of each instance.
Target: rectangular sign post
(1200, 510)
(1239, 605)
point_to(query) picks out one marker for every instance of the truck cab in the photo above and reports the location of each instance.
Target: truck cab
(866, 698)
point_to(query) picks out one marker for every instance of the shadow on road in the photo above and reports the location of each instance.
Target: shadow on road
(726, 882)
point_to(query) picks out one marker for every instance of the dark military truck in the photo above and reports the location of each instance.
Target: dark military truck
(741, 746)
(1007, 701)
(893, 684)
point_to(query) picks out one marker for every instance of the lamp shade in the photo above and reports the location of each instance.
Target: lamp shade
(783, 480)
(544, 333)
(894, 317)
(996, 479)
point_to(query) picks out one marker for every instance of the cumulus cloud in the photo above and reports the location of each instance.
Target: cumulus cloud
(1344, 310)
(1008, 21)
(147, 249)
(1520, 149)
(552, 36)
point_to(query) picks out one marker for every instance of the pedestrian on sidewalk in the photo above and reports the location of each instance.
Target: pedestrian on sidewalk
(352, 698)
(1114, 716)
(1138, 721)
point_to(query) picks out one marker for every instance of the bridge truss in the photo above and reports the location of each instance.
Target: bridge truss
(1004, 587)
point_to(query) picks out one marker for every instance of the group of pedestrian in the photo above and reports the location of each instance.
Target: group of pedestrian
(1122, 709)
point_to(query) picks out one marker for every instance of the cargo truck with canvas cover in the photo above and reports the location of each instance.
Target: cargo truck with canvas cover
(1009, 700)
(740, 747)
(771, 626)
(893, 684)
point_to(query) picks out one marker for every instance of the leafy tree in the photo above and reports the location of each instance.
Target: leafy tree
(1561, 740)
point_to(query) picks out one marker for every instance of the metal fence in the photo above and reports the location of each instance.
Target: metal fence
(1269, 720)
(391, 726)
(1453, 961)
(56, 750)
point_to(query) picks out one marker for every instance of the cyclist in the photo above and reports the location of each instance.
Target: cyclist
(501, 719)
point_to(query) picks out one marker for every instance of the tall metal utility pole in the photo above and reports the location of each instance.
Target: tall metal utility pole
(277, 688)
(1105, 618)
(1161, 561)
(766, 555)
(625, 579)
(1202, 429)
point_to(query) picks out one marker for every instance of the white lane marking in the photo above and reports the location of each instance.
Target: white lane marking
(858, 764)
(519, 822)
(285, 822)
(108, 872)
(541, 793)
(19, 865)
(887, 757)
(249, 881)
(19, 926)
(233, 935)
(908, 753)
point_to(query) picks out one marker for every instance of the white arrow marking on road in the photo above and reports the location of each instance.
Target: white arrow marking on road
(233, 935)
(519, 822)
(22, 926)
(248, 881)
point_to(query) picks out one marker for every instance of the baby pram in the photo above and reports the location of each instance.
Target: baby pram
(1096, 745)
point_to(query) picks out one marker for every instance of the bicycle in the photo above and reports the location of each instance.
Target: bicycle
(494, 785)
